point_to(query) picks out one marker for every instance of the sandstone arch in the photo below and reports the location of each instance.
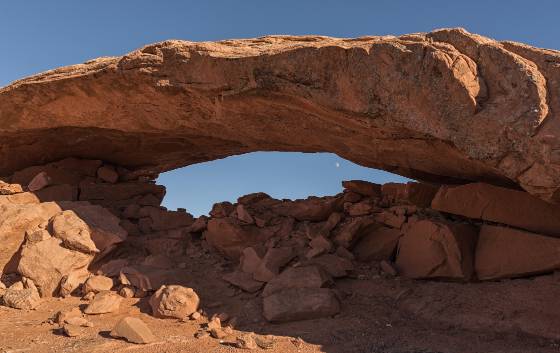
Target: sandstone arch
(445, 106)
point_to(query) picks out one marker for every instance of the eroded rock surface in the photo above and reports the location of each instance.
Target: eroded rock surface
(446, 106)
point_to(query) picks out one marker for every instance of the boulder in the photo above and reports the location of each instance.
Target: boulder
(349, 232)
(229, 237)
(14, 221)
(97, 284)
(48, 261)
(104, 302)
(378, 244)
(418, 194)
(133, 330)
(39, 182)
(70, 283)
(74, 232)
(22, 295)
(437, 249)
(294, 304)
(495, 204)
(298, 277)
(273, 261)
(334, 265)
(174, 301)
(243, 280)
(108, 174)
(503, 252)
(364, 188)
(9, 189)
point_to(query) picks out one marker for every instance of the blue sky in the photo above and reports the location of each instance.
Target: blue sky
(37, 35)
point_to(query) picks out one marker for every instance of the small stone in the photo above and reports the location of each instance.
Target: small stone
(73, 330)
(97, 284)
(104, 302)
(196, 316)
(39, 182)
(64, 316)
(215, 322)
(126, 292)
(388, 268)
(217, 333)
(133, 330)
(265, 342)
(246, 341)
(78, 321)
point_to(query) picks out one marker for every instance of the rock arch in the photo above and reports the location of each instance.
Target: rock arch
(446, 106)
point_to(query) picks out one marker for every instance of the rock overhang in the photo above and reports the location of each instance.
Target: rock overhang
(446, 106)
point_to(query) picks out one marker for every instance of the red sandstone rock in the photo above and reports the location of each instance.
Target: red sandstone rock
(70, 283)
(9, 189)
(378, 244)
(419, 194)
(300, 304)
(63, 192)
(497, 204)
(506, 252)
(133, 330)
(363, 188)
(449, 106)
(243, 280)
(73, 232)
(40, 181)
(174, 301)
(349, 232)
(97, 284)
(221, 210)
(312, 209)
(108, 173)
(334, 265)
(272, 263)
(104, 302)
(229, 237)
(22, 295)
(298, 277)
(436, 249)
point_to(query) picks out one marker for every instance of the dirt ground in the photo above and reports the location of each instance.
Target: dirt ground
(379, 314)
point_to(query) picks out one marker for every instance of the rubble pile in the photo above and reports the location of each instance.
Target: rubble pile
(90, 229)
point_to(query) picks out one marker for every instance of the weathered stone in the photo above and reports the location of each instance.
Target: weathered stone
(243, 280)
(300, 304)
(133, 330)
(418, 194)
(297, 277)
(334, 265)
(119, 191)
(272, 263)
(15, 220)
(108, 174)
(23, 295)
(448, 106)
(243, 215)
(390, 219)
(506, 252)
(104, 302)
(250, 260)
(9, 189)
(221, 209)
(364, 188)
(19, 199)
(228, 237)
(67, 315)
(377, 244)
(39, 182)
(313, 209)
(48, 261)
(73, 232)
(70, 283)
(62, 192)
(174, 301)
(497, 204)
(361, 208)
(97, 284)
(349, 232)
(435, 249)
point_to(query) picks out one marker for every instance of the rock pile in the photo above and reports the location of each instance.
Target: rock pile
(83, 227)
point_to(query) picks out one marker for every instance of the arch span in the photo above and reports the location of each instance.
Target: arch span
(446, 106)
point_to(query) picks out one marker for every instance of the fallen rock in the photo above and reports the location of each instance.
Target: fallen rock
(506, 252)
(364, 188)
(98, 284)
(70, 283)
(9, 189)
(334, 265)
(39, 182)
(67, 315)
(419, 194)
(300, 304)
(48, 261)
(108, 174)
(174, 301)
(73, 330)
(243, 280)
(22, 295)
(493, 203)
(437, 249)
(133, 330)
(73, 232)
(103, 303)
(271, 264)
(377, 244)
(313, 209)
(297, 277)
(229, 237)
(246, 341)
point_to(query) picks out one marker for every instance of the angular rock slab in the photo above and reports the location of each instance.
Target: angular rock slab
(441, 106)
(133, 330)
(506, 252)
(300, 304)
(496, 204)
(437, 249)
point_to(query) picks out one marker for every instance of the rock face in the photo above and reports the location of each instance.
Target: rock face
(488, 110)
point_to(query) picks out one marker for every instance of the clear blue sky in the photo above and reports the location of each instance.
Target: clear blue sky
(39, 35)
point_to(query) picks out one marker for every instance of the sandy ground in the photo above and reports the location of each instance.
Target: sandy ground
(379, 314)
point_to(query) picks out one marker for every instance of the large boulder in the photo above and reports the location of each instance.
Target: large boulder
(174, 301)
(230, 237)
(497, 204)
(437, 249)
(503, 252)
(15, 219)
